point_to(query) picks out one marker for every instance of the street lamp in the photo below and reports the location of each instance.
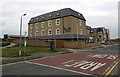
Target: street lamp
(20, 34)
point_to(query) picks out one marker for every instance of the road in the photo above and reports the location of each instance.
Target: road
(82, 63)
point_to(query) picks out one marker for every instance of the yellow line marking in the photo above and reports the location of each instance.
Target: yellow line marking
(11, 63)
(112, 68)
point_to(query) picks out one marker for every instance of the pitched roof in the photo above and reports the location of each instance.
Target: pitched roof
(97, 29)
(57, 14)
(88, 27)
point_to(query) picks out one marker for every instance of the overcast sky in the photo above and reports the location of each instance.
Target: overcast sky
(98, 13)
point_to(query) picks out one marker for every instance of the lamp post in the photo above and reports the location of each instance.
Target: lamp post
(20, 34)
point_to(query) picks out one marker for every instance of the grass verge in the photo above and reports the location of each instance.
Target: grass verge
(14, 51)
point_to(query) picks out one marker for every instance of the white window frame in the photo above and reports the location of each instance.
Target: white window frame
(57, 31)
(36, 25)
(49, 33)
(81, 32)
(80, 22)
(31, 26)
(36, 33)
(42, 32)
(57, 23)
(42, 24)
(50, 15)
(50, 22)
(58, 13)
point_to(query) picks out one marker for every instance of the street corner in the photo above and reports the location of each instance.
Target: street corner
(86, 63)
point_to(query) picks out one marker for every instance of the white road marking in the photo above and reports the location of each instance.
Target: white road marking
(59, 68)
(68, 62)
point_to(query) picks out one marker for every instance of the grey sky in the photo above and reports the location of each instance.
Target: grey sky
(97, 13)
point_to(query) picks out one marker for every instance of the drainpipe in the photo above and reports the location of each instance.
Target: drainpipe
(77, 33)
(63, 24)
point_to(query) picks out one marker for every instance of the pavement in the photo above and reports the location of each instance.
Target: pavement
(103, 49)
(33, 56)
(92, 62)
(11, 45)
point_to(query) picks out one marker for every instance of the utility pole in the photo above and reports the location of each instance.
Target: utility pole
(20, 34)
(25, 44)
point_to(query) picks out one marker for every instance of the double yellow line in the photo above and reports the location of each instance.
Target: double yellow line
(110, 69)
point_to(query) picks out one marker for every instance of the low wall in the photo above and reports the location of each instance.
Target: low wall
(31, 42)
(92, 44)
(65, 44)
(73, 44)
(36, 42)
(110, 42)
(79, 44)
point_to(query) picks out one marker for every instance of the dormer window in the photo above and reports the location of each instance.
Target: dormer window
(32, 19)
(78, 14)
(37, 18)
(58, 13)
(43, 17)
(50, 15)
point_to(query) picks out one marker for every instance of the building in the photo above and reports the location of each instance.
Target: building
(62, 24)
(65, 25)
(99, 34)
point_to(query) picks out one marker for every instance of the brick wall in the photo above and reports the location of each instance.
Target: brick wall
(79, 44)
(36, 42)
(93, 44)
(32, 42)
(110, 42)
(65, 44)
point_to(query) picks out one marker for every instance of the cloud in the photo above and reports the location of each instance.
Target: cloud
(97, 12)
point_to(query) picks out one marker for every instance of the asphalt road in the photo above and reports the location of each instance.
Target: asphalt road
(104, 49)
(24, 68)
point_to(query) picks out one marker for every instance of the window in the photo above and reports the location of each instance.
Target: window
(58, 13)
(43, 17)
(31, 26)
(37, 18)
(80, 22)
(31, 33)
(49, 23)
(36, 33)
(57, 21)
(36, 25)
(100, 36)
(49, 32)
(50, 15)
(42, 32)
(80, 31)
(42, 24)
(31, 19)
(57, 31)
(79, 14)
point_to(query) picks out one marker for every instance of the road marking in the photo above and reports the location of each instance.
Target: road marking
(112, 68)
(59, 68)
(11, 63)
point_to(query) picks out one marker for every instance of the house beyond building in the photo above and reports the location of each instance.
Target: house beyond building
(99, 34)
